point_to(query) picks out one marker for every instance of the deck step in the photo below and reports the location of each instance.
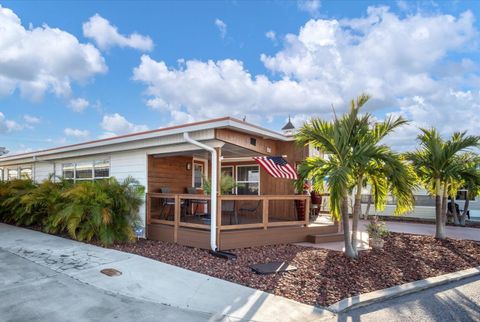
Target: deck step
(325, 238)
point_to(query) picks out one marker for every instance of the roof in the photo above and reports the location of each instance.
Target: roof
(223, 122)
(289, 125)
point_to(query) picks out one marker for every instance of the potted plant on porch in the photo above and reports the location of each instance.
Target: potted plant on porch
(300, 204)
(377, 230)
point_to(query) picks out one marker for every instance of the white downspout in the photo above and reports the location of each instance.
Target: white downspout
(213, 192)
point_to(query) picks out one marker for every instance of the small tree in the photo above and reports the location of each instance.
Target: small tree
(356, 156)
(437, 164)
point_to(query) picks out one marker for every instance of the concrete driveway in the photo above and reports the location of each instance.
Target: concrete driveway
(32, 292)
(62, 279)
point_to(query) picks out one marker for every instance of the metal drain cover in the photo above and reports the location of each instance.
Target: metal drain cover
(111, 272)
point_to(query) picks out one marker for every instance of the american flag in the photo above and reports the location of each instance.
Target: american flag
(277, 167)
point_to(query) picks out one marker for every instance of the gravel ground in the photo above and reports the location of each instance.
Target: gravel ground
(323, 276)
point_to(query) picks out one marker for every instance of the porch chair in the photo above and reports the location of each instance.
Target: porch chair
(253, 209)
(170, 204)
(196, 202)
(228, 206)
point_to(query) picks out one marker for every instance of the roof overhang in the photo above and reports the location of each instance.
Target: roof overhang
(132, 141)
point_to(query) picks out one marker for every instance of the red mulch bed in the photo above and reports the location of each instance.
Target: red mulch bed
(324, 277)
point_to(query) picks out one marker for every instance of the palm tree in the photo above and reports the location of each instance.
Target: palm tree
(356, 156)
(467, 177)
(437, 163)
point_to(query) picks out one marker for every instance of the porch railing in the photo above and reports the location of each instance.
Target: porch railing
(191, 210)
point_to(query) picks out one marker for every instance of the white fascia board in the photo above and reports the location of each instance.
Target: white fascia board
(151, 146)
(138, 141)
(184, 147)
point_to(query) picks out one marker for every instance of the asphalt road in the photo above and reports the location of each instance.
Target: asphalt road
(30, 292)
(457, 301)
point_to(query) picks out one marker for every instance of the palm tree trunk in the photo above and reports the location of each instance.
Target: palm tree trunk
(456, 221)
(349, 252)
(440, 227)
(357, 209)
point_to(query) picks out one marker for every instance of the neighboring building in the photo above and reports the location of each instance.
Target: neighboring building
(424, 205)
(173, 164)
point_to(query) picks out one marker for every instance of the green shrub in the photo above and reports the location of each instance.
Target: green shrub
(105, 210)
(12, 209)
(376, 228)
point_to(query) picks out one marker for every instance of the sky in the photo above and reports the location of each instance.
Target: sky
(77, 71)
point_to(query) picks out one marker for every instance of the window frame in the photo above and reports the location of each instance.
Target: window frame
(74, 164)
(94, 167)
(8, 174)
(26, 168)
(237, 182)
(202, 165)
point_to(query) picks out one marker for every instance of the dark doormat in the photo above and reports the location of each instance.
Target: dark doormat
(272, 268)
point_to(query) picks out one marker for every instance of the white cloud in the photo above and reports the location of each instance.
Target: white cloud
(222, 27)
(78, 104)
(7, 126)
(79, 134)
(271, 35)
(312, 7)
(41, 59)
(329, 61)
(106, 35)
(116, 124)
(31, 119)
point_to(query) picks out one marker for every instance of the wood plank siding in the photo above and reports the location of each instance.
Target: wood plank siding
(262, 146)
(169, 172)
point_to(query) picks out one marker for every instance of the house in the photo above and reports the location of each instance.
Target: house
(424, 206)
(176, 164)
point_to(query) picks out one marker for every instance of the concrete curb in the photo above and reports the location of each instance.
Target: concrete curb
(382, 295)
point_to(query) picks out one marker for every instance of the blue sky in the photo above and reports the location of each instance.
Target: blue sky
(72, 71)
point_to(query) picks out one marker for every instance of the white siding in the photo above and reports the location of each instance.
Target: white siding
(134, 164)
(42, 171)
(420, 212)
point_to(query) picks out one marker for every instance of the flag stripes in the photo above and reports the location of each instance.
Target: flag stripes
(277, 167)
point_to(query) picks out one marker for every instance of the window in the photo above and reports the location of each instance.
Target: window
(248, 180)
(68, 170)
(1, 174)
(198, 175)
(86, 170)
(12, 174)
(101, 169)
(25, 173)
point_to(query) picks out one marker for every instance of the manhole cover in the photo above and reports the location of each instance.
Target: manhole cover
(111, 272)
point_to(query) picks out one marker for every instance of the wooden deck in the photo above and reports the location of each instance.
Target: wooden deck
(264, 229)
(239, 238)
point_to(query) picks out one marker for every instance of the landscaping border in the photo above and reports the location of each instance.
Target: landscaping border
(412, 287)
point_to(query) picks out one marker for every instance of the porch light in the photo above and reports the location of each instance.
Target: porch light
(189, 166)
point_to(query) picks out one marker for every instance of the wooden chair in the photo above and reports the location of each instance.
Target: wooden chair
(169, 205)
(251, 209)
(196, 202)
(228, 206)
